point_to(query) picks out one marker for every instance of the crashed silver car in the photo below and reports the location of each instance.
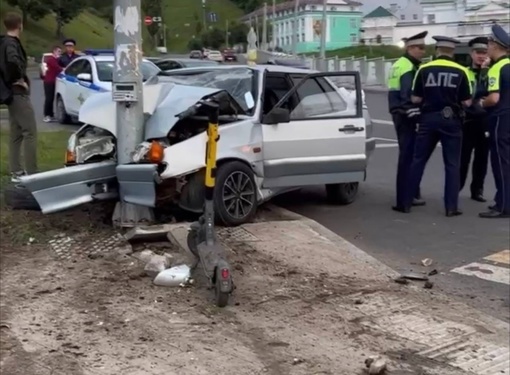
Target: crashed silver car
(284, 128)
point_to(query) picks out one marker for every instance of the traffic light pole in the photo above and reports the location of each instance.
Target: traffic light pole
(127, 92)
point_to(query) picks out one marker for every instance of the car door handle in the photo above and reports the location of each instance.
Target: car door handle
(351, 128)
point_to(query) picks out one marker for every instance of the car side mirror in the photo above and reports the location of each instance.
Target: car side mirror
(276, 116)
(87, 77)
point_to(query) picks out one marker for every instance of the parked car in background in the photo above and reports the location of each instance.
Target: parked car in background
(152, 59)
(311, 127)
(42, 66)
(229, 55)
(195, 54)
(171, 64)
(86, 76)
(215, 56)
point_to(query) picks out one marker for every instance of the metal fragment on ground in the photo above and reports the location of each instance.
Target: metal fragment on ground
(148, 233)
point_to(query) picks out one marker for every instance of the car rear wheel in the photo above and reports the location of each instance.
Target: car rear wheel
(62, 115)
(235, 194)
(342, 194)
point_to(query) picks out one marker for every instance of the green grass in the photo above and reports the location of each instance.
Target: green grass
(51, 148)
(388, 52)
(89, 31)
(20, 227)
(178, 13)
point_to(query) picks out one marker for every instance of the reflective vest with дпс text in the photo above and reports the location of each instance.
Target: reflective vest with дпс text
(400, 85)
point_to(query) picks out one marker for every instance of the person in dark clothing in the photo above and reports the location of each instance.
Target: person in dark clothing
(405, 114)
(50, 79)
(15, 93)
(475, 127)
(69, 54)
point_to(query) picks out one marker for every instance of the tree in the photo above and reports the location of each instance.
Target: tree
(33, 8)
(152, 8)
(198, 24)
(214, 38)
(65, 11)
(238, 33)
(195, 44)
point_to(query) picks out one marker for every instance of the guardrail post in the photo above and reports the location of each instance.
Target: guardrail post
(337, 64)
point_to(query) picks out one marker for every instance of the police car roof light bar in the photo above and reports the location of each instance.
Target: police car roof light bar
(95, 52)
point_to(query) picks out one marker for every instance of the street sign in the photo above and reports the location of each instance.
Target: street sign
(213, 17)
(156, 19)
(147, 20)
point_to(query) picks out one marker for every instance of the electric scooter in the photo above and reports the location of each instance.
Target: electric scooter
(202, 240)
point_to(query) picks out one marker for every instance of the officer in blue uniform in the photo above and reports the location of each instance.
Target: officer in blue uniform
(497, 104)
(474, 130)
(443, 89)
(404, 113)
(69, 54)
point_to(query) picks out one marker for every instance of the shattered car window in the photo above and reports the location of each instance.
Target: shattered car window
(237, 82)
(105, 70)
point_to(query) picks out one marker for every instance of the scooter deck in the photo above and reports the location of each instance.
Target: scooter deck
(210, 256)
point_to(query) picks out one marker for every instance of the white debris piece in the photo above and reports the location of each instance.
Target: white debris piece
(144, 256)
(427, 262)
(175, 276)
(376, 365)
(156, 264)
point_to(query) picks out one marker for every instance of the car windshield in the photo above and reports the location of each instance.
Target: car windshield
(238, 82)
(105, 70)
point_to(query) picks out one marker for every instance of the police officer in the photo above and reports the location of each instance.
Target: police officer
(404, 113)
(442, 88)
(475, 124)
(69, 54)
(498, 105)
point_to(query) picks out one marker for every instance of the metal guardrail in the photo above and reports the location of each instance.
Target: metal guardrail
(373, 72)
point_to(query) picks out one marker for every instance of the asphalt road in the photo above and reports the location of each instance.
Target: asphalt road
(399, 240)
(402, 241)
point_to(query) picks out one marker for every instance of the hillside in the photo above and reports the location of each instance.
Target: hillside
(183, 16)
(90, 31)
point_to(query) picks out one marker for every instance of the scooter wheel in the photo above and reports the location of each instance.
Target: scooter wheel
(221, 296)
(192, 241)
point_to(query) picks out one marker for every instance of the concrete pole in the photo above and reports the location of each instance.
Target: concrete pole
(323, 34)
(295, 28)
(264, 29)
(130, 118)
(273, 24)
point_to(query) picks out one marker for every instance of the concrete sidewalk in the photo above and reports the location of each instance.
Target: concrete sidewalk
(344, 305)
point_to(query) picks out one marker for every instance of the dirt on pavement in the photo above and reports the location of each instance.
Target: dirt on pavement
(101, 315)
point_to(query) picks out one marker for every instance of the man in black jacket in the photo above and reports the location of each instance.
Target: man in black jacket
(15, 93)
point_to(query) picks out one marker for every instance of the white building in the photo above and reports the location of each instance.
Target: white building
(462, 19)
(377, 26)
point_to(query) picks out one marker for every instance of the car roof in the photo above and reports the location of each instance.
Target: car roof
(261, 68)
(107, 58)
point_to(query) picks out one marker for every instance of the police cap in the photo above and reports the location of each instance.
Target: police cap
(415, 40)
(69, 42)
(500, 36)
(445, 42)
(479, 43)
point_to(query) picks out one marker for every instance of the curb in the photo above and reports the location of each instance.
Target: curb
(375, 89)
(353, 250)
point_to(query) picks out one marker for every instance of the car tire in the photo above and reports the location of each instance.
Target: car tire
(62, 115)
(342, 194)
(19, 198)
(230, 173)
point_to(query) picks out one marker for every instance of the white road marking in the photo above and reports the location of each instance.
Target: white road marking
(385, 139)
(502, 257)
(486, 272)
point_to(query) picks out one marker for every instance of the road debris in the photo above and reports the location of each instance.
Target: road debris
(376, 365)
(175, 276)
(427, 262)
(401, 280)
(428, 285)
(157, 264)
(432, 273)
(415, 276)
(297, 361)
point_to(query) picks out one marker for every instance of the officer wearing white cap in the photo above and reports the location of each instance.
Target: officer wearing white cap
(405, 114)
(69, 55)
(497, 104)
(442, 89)
(474, 139)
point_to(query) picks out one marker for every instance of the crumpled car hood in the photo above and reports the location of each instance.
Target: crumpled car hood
(161, 103)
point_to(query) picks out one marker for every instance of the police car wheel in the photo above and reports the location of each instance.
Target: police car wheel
(342, 193)
(62, 115)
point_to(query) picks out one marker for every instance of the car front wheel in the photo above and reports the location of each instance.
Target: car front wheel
(235, 194)
(62, 115)
(342, 194)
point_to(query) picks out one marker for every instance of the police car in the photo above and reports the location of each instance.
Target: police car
(86, 76)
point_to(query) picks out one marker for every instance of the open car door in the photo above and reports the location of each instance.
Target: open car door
(314, 134)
